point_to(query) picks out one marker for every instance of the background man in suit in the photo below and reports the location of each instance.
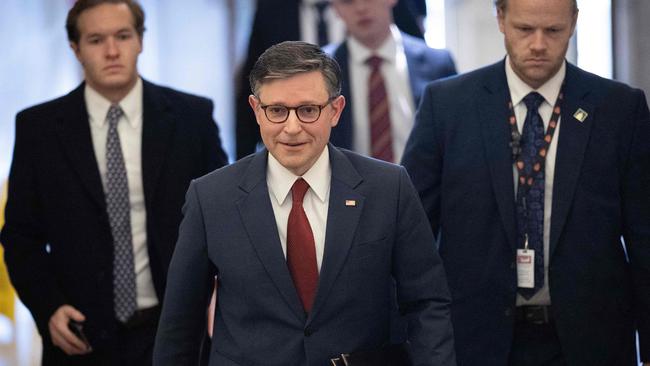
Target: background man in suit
(377, 57)
(276, 21)
(304, 239)
(95, 194)
(530, 171)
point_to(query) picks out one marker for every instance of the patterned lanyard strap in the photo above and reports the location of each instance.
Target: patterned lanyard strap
(527, 180)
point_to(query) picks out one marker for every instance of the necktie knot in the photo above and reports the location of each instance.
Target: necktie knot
(374, 62)
(533, 100)
(114, 114)
(298, 190)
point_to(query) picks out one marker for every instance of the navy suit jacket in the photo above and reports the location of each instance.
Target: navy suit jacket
(424, 65)
(230, 230)
(56, 201)
(460, 162)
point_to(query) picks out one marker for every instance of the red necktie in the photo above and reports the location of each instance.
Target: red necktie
(381, 142)
(301, 250)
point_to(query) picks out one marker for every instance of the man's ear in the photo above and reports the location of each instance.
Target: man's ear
(337, 104)
(75, 48)
(501, 20)
(254, 103)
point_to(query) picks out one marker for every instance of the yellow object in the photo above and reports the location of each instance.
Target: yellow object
(7, 294)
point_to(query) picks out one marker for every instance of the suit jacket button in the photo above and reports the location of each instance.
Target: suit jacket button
(513, 265)
(507, 312)
(308, 332)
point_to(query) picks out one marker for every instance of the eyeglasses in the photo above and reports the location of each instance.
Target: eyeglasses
(308, 113)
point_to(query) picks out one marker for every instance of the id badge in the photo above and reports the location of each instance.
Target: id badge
(525, 268)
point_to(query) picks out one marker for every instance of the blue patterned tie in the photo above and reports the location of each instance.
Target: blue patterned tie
(530, 198)
(119, 216)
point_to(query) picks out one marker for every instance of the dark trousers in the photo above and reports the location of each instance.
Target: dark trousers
(134, 345)
(535, 343)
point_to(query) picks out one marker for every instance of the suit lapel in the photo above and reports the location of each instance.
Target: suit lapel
(259, 221)
(572, 143)
(73, 129)
(157, 128)
(342, 134)
(414, 59)
(342, 221)
(493, 114)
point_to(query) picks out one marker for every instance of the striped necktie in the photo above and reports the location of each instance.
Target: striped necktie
(381, 142)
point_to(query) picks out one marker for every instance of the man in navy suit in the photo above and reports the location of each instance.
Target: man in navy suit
(304, 239)
(95, 194)
(531, 170)
(407, 64)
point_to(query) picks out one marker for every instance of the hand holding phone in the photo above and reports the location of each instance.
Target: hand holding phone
(71, 341)
(77, 329)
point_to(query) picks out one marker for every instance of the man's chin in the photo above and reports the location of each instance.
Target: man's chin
(537, 77)
(117, 82)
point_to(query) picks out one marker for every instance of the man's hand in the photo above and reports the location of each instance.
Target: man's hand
(61, 335)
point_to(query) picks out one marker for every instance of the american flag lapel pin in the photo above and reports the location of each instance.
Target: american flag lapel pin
(350, 203)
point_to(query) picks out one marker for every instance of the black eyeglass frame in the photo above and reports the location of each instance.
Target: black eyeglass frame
(295, 109)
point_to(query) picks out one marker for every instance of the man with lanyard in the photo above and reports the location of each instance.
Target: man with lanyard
(531, 170)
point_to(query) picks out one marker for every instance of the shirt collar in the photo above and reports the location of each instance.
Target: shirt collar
(519, 89)
(131, 105)
(280, 179)
(387, 51)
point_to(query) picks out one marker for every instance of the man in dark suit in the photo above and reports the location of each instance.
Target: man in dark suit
(406, 65)
(303, 238)
(95, 195)
(531, 170)
(276, 21)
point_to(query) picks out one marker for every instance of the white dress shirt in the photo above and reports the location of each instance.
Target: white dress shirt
(550, 91)
(309, 23)
(315, 203)
(394, 69)
(129, 128)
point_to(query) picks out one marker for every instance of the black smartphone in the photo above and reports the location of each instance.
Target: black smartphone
(77, 329)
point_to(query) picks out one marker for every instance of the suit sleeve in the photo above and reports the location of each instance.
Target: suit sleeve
(636, 206)
(451, 65)
(214, 156)
(24, 233)
(422, 290)
(423, 158)
(189, 286)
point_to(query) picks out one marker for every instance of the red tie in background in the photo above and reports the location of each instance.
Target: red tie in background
(381, 142)
(301, 250)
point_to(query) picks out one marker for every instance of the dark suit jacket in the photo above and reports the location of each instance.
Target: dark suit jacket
(460, 162)
(424, 65)
(276, 21)
(57, 238)
(230, 229)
